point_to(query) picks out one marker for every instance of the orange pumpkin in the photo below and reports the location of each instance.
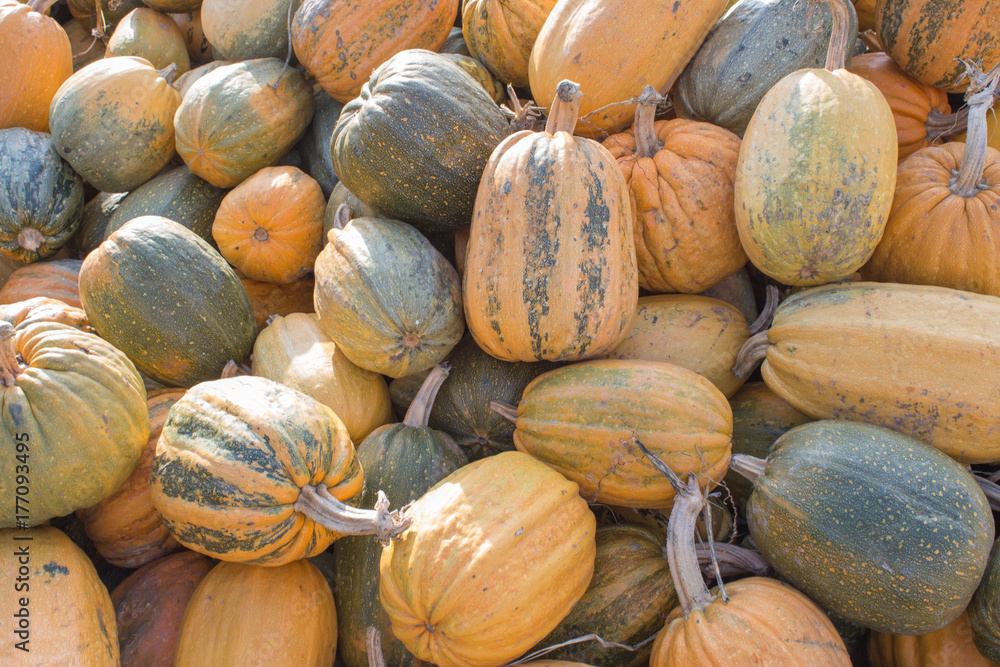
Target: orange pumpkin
(866, 14)
(951, 646)
(146, 33)
(58, 279)
(37, 59)
(500, 34)
(198, 48)
(268, 299)
(270, 226)
(680, 175)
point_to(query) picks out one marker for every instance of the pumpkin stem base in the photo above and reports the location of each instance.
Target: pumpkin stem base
(646, 143)
(968, 180)
(419, 412)
(505, 410)
(749, 466)
(317, 503)
(751, 354)
(763, 321)
(565, 108)
(30, 239)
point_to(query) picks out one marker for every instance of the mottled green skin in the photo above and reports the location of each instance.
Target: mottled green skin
(314, 146)
(748, 51)
(404, 462)
(455, 42)
(166, 298)
(40, 190)
(882, 529)
(462, 407)
(96, 214)
(248, 29)
(984, 610)
(415, 143)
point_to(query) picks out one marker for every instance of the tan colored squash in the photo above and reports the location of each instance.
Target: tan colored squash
(198, 47)
(501, 33)
(950, 646)
(146, 33)
(58, 279)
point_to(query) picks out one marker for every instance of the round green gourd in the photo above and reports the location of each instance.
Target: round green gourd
(984, 610)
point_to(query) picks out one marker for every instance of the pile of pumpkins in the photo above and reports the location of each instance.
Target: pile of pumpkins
(557, 332)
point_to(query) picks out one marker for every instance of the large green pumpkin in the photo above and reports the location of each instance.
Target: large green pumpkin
(41, 201)
(984, 610)
(877, 527)
(168, 300)
(415, 143)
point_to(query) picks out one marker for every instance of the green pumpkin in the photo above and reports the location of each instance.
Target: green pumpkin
(748, 51)
(462, 408)
(873, 525)
(456, 42)
(96, 214)
(477, 70)
(415, 143)
(341, 195)
(984, 610)
(403, 460)
(314, 146)
(166, 298)
(41, 201)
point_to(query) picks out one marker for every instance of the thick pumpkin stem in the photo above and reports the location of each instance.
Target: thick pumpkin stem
(322, 507)
(233, 369)
(751, 354)
(733, 561)
(342, 216)
(419, 412)
(942, 124)
(836, 55)
(168, 73)
(373, 644)
(565, 108)
(41, 6)
(646, 143)
(968, 180)
(505, 410)
(749, 466)
(992, 492)
(10, 368)
(681, 554)
(30, 239)
(763, 321)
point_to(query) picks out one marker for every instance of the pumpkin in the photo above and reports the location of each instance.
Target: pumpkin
(149, 605)
(584, 420)
(585, 40)
(387, 297)
(249, 29)
(753, 619)
(173, 6)
(826, 347)
(722, 524)
(116, 147)
(60, 609)
(246, 614)
(294, 351)
(96, 214)
(277, 465)
(517, 517)
(341, 195)
(462, 408)
(101, 15)
(944, 226)
(951, 645)
(185, 81)
(168, 300)
(270, 226)
(341, 42)
(403, 460)
(627, 601)
(455, 42)
(801, 221)
(417, 93)
(493, 87)
(241, 118)
(268, 299)
(822, 476)
(42, 309)
(86, 48)
(573, 266)
(866, 14)
(38, 59)
(920, 35)
(315, 143)
(983, 616)
(57, 279)
(694, 332)
(917, 109)
(41, 204)
(500, 34)
(736, 290)
(748, 51)
(125, 527)
(73, 412)
(146, 33)
(198, 48)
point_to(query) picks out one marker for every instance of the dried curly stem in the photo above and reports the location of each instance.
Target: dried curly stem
(233, 369)
(419, 412)
(565, 108)
(748, 466)
(505, 410)
(763, 321)
(734, 561)
(646, 143)
(968, 180)
(751, 354)
(168, 73)
(10, 368)
(317, 503)
(41, 6)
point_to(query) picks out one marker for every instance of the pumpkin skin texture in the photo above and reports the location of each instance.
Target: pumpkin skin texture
(184, 82)
(146, 33)
(387, 297)
(539, 531)
(418, 93)
(125, 527)
(41, 203)
(911, 101)
(174, 6)
(455, 42)
(951, 645)
(168, 300)
(250, 444)
(828, 474)
(500, 34)
(57, 279)
(695, 332)
(68, 375)
(568, 417)
(920, 36)
(72, 621)
(268, 299)
(149, 605)
(233, 123)
(38, 60)
(736, 290)
(584, 40)
(198, 48)
(101, 15)
(341, 195)
(341, 42)
(866, 14)
(826, 344)
(44, 309)
(247, 615)
(247, 30)
(983, 609)
(747, 53)
(294, 351)
(315, 143)
(270, 226)
(493, 87)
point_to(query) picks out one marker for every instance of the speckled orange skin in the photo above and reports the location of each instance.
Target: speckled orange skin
(37, 59)
(500, 34)
(71, 620)
(951, 646)
(580, 420)
(58, 279)
(341, 42)
(765, 622)
(250, 615)
(682, 201)
(498, 553)
(146, 33)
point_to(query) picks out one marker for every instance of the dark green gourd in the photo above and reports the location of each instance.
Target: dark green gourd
(314, 146)
(984, 610)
